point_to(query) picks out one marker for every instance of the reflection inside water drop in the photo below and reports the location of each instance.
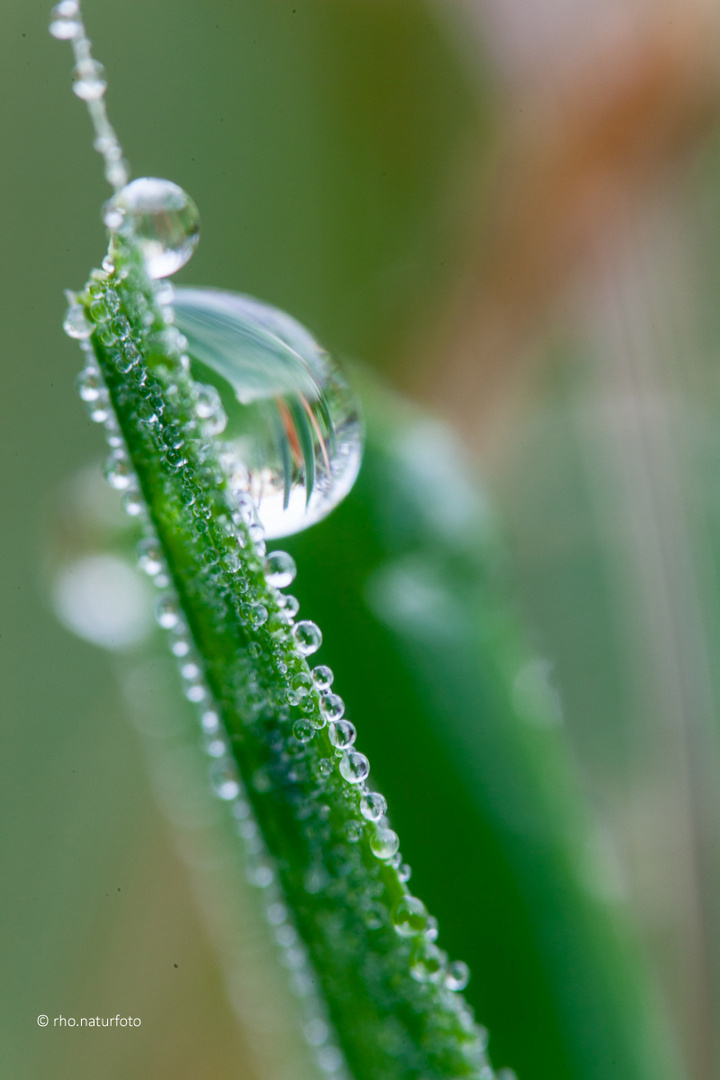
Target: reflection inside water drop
(293, 437)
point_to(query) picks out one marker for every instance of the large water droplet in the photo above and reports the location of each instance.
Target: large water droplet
(162, 219)
(294, 434)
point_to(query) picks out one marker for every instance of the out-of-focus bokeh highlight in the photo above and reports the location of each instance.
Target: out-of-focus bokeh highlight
(511, 212)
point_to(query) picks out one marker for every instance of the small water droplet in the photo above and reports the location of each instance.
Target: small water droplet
(76, 323)
(150, 556)
(167, 612)
(324, 767)
(301, 684)
(317, 1032)
(332, 707)
(133, 503)
(303, 730)
(308, 637)
(90, 83)
(409, 916)
(373, 806)
(280, 569)
(210, 722)
(330, 1059)
(354, 767)
(342, 734)
(323, 677)
(431, 930)
(224, 781)
(291, 605)
(90, 385)
(209, 409)
(404, 872)
(428, 963)
(255, 614)
(118, 470)
(384, 843)
(163, 220)
(353, 831)
(64, 24)
(457, 976)
(255, 649)
(294, 436)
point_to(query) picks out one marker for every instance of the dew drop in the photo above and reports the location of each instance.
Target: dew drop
(256, 615)
(342, 734)
(384, 843)
(76, 323)
(167, 612)
(303, 730)
(161, 218)
(404, 872)
(208, 407)
(354, 767)
(332, 707)
(431, 930)
(133, 503)
(118, 471)
(294, 433)
(373, 806)
(410, 916)
(308, 637)
(280, 569)
(224, 781)
(89, 385)
(89, 80)
(63, 26)
(302, 684)
(323, 677)
(428, 963)
(291, 605)
(150, 557)
(457, 976)
(353, 831)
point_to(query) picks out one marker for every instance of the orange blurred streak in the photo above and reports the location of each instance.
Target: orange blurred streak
(579, 150)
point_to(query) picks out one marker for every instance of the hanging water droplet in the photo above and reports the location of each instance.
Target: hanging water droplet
(384, 843)
(409, 916)
(161, 218)
(373, 806)
(150, 556)
(303, 730)
(431, 930)
(323, 677)
(64, 24)
(167, 612)
(354, 767)
(308, 637)
(90, 385)
(280, 569)
(133, 503)
(255, 614)
(332, 706)
(301, 685)
(342, 734)
(428, 963)
(118, 470)
(294, 434)
(353, 831)
(208, 407)
(76, 323)
(224, 781)
(457, 976)
(90, 83)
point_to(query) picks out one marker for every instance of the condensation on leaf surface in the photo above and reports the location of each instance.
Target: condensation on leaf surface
(293, 434)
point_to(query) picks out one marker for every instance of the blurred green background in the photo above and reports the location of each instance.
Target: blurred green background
(510, 215)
